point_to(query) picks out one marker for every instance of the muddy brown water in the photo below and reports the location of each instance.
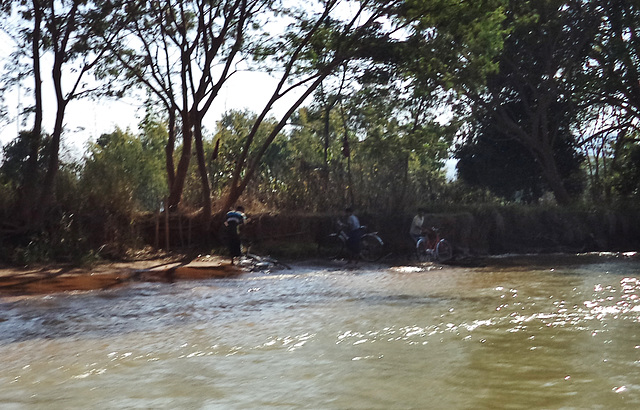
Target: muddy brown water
(552, 331)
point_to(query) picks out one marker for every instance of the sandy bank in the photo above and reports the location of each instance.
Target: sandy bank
(15, 281)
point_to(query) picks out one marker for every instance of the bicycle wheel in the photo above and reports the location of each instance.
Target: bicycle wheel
(333, 247)
(444, 250)
(371, 247)
(422, 251)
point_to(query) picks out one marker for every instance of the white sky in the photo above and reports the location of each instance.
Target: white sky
(86, 119)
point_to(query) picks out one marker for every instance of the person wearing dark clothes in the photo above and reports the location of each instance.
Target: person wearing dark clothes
(232, 223)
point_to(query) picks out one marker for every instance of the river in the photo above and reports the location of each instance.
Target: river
(551, 331)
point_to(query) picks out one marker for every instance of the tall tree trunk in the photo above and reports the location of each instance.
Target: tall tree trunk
(29, 187)
(351, 196)
(37, 91)
(46, 196)
(552, 176)
(202, 167)
(401, 192)
(175, 194)
(170, 148)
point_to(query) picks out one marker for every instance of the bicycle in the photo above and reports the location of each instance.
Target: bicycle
(256, 262)
(335, 245)
(436, 249)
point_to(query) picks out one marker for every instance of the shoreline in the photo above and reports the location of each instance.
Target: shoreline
(18, 282)
(54, 278)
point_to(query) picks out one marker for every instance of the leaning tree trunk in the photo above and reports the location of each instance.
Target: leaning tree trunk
(175, 193)
(552, 176)
(46, 195)
(204, 179)
(250, 166)
(170, 148)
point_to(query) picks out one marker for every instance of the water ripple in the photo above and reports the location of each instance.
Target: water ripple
(560, 334)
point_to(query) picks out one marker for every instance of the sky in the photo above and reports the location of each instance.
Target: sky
(87, 119)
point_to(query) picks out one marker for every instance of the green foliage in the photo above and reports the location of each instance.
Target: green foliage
(611, 77)
(454, 43)
(626, 180)
(14, 159)
(398, 166)
(65, 235)
(494, 160)
(122, 176)
(392, 164)
(229, 138)
(531, 102)
(124, 172)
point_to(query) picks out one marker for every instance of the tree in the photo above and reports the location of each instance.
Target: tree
(404, 81)
(183, 53)
(388, 32)
(609, 95)
(180, 43)
(66, 31)
(124, 172)
(316, 162)
(398, 150)
(30, 39)
(532, 96)
(492, 159)
(313, 48)
(612, 73)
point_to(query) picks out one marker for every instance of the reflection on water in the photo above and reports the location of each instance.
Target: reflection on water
(521, 332)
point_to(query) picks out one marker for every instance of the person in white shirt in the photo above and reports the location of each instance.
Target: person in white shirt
(353, 231)
(417, 228)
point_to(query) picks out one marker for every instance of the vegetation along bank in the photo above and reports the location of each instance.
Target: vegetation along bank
(478, 232)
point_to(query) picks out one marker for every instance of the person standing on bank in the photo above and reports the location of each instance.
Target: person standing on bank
(418, 228)
(353, 231)
(232, 223)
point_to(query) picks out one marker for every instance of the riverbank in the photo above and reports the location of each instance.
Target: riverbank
(19, 282)
(47, 279)
(475, 234)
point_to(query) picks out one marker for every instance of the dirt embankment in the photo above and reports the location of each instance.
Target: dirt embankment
(16, 281)
(473, 234)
